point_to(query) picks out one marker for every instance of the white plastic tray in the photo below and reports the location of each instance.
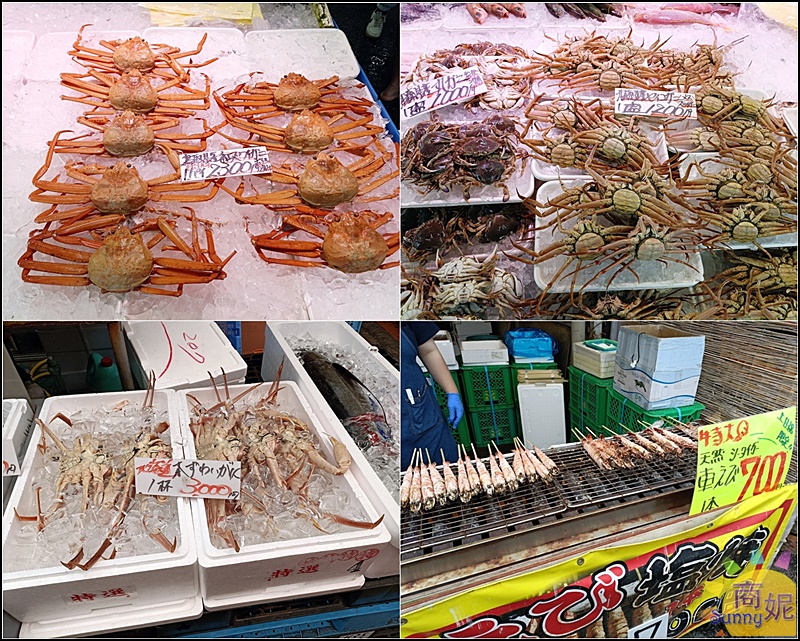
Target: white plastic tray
(255, 573)
(17, 417)
(520, 185)
(44, 595)
(315, 53)
(782, 240)
(276, 348)
(50, 56)
(652, 274)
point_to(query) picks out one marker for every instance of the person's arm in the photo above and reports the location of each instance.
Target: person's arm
(430, 355)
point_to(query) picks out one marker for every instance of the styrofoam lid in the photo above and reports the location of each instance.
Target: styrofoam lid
(181, 353)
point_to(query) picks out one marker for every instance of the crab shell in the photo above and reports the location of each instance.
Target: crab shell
(307, 132)
(119, 191)
(122, 263)
(133, 92)
(134, 53)
(295, 92)
(128, 135)
(326, 182)
(352, 246)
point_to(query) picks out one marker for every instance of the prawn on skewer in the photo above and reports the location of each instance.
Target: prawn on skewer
(415, 493)
(428, 495)
(464, 489)
(473, 478)
(507, 471)
(450, 481)
(439, 490)
(405, 488)
(483, 474)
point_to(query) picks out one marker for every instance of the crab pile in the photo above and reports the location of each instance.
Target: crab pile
(288, 487)
(83, 491)
(437, 156)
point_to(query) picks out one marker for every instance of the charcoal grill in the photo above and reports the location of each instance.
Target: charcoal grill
(452, 546)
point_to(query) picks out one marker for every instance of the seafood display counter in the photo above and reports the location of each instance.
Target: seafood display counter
(100, 218)
(630, 208)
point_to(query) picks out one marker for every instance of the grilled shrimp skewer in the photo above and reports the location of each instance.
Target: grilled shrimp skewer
(473, 479)
(428, 495)
(483, 474)
(546, 460)
(498, 482)
(527, 464)
(450, 482)
(508, 473)
(439, 490)
(518, 465)
(415, 494)
(405, 488)
(464, 488)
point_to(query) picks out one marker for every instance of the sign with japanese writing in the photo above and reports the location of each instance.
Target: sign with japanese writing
(742, 458)
(447, 89)
(664, 104)
(100, 598)
(226, 162)
(10, 462)
(189, 478)
(686, 570)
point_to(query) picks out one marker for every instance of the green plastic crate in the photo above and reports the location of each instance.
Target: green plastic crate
(480, 393)
(622, 411)
(461, 432)
(588, 396)
(483, 421)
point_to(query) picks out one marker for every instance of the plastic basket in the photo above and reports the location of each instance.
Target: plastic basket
(487, 385)
(588, 396)
(622, 411)
(461, 432)
(500, 425)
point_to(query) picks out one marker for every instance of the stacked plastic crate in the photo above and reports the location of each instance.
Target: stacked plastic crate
(490, 400)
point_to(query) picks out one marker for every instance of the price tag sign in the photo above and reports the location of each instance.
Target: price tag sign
(188, 478)
(244, 161)
(10, 462)
(664, 104)
(742, 458)
(450, 88)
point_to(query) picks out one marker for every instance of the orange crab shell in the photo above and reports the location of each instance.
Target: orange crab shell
(133, 92)
(308, 132)
(120, 191)
(352, 246)
(134, 53)
(326, 182)
(122, 263)
(128, 135)
(295, 92)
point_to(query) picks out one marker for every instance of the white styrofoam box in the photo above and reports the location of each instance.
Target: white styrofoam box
(489, 352)
(340, 333)
(17, 427)
(541, 410)
(269, 572)
(594, 361)
(45, 595)
(709, 165)
(658, 367)
(314, 53)
(472, 328)
(181, 353)
(649, 274)
(444, 342)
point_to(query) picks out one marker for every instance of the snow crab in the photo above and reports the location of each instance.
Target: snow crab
(122, 261)
(130, 134)
(119, 191)
(350, 241)
(324, 182)
(132, 90)
(135, 53)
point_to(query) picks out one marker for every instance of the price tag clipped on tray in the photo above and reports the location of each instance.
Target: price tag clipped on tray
(742, 458)
(188, 478)
(664, 104)
(244, 161)
(10, 462)
(448, 89)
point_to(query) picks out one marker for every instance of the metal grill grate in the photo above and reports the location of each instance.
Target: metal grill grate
(580, 487)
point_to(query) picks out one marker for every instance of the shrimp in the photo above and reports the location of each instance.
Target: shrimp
(415, 494)
(405, 488)
(472, 475)
(483, 473)
(508, 473)
(439, 490)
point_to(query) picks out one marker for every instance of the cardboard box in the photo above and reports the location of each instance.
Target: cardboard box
(657, 367)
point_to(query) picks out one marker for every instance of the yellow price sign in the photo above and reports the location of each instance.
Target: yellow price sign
(742, 458)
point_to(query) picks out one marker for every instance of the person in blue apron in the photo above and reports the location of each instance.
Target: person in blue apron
(423, 426)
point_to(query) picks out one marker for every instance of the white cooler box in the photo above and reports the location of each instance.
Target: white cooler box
(658, 367)
(489, 352)
(541, 410)
(599, 363)
(270, 572)
(17, 427)
(161, 587)
(339, 333)
(181, 353)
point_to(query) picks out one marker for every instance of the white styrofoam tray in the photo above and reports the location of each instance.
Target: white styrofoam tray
(277, 348)
(17, 417)
(258, 573)
(315, 53)
(227, 45)
(44, 595)
(781, 240)
(652, 274)
(790, 118)
(182, 353)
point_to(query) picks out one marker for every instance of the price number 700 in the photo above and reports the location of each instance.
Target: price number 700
(762, 473)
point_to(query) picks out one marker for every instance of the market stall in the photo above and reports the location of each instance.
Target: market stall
(631, 161)
(109, 526)
(554, 506)
(107, 212)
